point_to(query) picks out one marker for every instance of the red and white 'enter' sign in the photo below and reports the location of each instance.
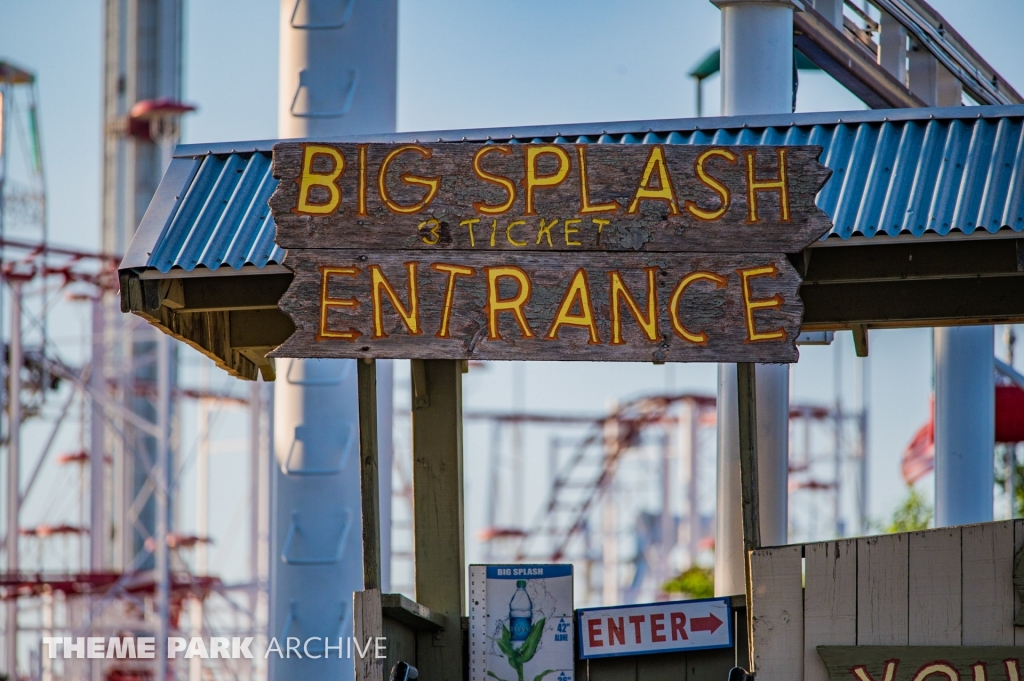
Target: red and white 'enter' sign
(655, 628)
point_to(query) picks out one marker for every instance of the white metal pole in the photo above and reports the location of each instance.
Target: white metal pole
(97, 453)
(266, 504)
(203, 474)
(195, 667)
(964, 424)
(863, 368)
(47, 617)
(610, 516)
(688, 425)
(255, 477)
(757, 78)
(667, 538)
(13, 465)
(160, 484)
(385, 463)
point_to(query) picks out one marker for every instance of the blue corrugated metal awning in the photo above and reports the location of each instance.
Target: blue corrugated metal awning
(946, 172)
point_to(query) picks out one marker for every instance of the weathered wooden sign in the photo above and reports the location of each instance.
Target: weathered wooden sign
(917, 663)
(548, 197)
(545, 251)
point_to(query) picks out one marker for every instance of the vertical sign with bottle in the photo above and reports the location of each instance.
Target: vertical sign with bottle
(521, 623)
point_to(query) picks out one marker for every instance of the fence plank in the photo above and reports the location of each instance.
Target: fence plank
(368, 624)
(1018, 541)
(987, 576)
(830, 601)
(778, 609)
(882, 568)
(934, 591)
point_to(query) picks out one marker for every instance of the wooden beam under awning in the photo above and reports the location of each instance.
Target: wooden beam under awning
(904, 284)
(233, 320)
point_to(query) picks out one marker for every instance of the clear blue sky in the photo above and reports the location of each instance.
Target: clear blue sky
(553, 61)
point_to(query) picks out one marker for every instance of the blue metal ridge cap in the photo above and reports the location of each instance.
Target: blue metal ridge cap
(641, 127)
(834, 239)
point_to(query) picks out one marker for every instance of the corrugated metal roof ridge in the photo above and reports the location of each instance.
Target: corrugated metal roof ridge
(900, 175)
(224, 217)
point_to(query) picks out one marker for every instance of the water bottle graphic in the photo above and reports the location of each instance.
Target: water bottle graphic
(520, 613)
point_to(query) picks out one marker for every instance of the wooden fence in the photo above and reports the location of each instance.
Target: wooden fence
(950, 586)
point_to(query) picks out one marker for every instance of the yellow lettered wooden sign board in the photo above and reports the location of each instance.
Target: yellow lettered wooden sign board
(545, 251)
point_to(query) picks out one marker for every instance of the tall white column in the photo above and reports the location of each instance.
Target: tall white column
(757, 56)
(772, 470)
(964, 424)
(757, 78)
(337, 76)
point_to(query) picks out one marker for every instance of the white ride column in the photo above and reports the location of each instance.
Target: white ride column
(965, 424)
(338, 76)
(757, 78)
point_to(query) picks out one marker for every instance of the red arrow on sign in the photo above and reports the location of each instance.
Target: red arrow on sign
(709, 623)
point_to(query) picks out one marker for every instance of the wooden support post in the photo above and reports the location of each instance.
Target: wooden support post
(860, 339)
(366, 605)
(368, 624)
(437, 512)
(368, 484)
(746, 395)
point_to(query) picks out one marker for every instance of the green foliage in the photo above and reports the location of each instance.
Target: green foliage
(517, 657)
(1018, 477)
(912, 515)
(697, 582)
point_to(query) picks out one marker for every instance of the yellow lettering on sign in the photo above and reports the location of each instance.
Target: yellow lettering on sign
(569, 229)
(779, 183)
(655, 168)
(500, 180)
(750, 304)
(469, 225)
(577, 294)
(508, 233)
(453, 271)
(431, 183)
(361, 191)
(410, 315)
(944, 668)
(978, 671)
(327, 180)
(585, 205)
(326, 303)
(713, 184)
(1012, 671)
(620, 293)
(496, 304)
(545, 231)
(534, 180)
(433, 227)
(698, 338)
(888, 673)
